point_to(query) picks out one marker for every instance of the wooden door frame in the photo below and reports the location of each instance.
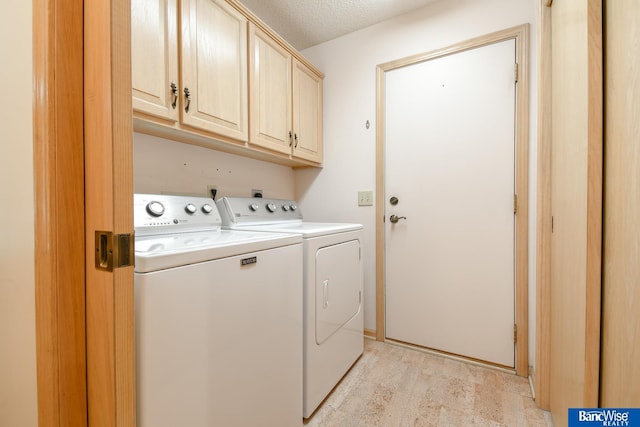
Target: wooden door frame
(84, 322)
(520, 34)
(542, 375)
(59, 212)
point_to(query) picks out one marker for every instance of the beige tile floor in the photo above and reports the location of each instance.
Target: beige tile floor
(393, 386)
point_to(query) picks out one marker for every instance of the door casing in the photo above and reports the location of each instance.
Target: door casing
(80, 127)
(520, 34)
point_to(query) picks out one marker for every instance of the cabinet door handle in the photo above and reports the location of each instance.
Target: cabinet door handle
(290, 138)
(295, 136)
(174, 95)
(187, 96)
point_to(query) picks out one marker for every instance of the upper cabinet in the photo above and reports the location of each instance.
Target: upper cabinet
(214, 68)
(270, 98)
(285, 100)
(307, 113)
(154, 54)
(230, 83)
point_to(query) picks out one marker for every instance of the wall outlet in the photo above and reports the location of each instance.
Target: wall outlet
(256, 193)
(365, 198)
(212, 191)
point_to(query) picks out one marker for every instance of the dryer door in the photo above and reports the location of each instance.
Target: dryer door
(338, 287)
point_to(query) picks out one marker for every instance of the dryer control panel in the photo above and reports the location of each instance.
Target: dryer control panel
(254, 210)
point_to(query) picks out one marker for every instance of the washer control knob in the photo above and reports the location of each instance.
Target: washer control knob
(286, 208)
(254, 206)
(190, 208)
(293, 206)
(207, 208)
(155, 208)
(271, 207)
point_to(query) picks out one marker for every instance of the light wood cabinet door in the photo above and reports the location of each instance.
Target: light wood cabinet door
(307, 113)
(154, 58)
(270, 96)
(214, 68)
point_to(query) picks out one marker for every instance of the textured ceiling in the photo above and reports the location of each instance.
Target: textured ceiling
(306, 23)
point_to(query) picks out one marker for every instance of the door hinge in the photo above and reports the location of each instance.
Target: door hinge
(113, 250)
(515, 204)
(515, 333)
(552, 223)
(515, 72)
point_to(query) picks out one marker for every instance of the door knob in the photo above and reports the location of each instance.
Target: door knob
(395, 218)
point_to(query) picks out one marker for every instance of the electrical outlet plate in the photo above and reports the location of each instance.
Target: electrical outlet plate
(211, 193)
(365, 198)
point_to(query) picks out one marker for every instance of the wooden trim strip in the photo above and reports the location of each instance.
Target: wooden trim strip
(380, 162)
(44, 178)
(594, 203)
(522, 190)
(59, 219)
(369, 333)
(520, 34)
(109, 206)
(543, 226)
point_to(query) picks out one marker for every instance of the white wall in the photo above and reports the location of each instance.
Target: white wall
(349, 63)
(18, 393)
(164, 166)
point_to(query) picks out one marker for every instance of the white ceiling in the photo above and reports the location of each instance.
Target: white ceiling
(306, 23)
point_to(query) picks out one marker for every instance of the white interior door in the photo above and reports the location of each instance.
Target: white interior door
(449, 160)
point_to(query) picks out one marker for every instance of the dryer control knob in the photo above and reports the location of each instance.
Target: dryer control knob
(271, 207)
(254, 206)
(286, 208)
(207, 208)
(293, 206)
(190, 208)
(155, 208)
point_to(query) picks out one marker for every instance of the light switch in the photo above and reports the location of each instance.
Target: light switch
(365, 198)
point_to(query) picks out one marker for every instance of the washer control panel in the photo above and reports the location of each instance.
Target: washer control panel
(161, 213)
(243, 210)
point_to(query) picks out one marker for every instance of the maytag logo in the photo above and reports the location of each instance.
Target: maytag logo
(247, 261)
(606, 417)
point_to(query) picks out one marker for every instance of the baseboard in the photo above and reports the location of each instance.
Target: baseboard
(532, 382)
(369, 333)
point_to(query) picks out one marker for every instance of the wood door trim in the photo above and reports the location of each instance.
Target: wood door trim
(595, 128)
(543, 223)
(109, 207)
(594, 207)
(59, 214)
(520, 34)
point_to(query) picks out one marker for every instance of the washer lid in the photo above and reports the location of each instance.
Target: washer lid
(173, 250)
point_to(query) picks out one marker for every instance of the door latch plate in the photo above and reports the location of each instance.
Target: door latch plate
(113, 250)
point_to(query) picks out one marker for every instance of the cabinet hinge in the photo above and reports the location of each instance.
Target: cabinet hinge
(515, 72)
(515, 333)
(113, 250)
(515, 204)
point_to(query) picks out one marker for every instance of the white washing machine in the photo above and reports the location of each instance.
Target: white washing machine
(218, 319)
(333, 282)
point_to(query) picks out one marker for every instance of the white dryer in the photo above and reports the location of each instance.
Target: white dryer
(218, 321)
(333, 283)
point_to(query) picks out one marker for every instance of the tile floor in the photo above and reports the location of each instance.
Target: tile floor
(393, 386)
